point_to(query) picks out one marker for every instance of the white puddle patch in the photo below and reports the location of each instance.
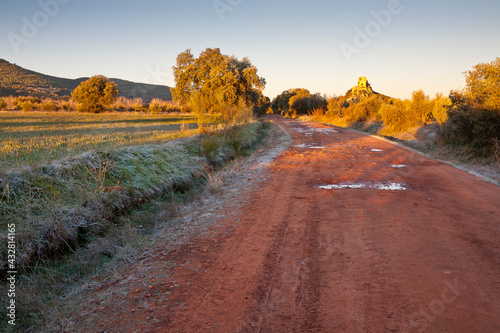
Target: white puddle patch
(325, 130)
(301, 130)
(375, 186)
(310, 130)
(377, 150)
(309, 147)
(397, 166)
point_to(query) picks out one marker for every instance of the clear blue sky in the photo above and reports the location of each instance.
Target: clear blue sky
(295, 44)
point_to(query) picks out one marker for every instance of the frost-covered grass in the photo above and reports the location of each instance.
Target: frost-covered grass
(35, 138)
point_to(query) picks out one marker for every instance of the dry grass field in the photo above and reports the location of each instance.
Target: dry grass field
(35, 138)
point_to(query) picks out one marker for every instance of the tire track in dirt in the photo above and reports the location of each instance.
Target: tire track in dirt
(312, 281)
(278, 205)
(283, 213)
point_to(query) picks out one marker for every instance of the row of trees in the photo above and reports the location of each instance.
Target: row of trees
(299, 101)
(398, 115)
(402, 115)
(120, 104)
(468, 118)
(213, 83)
(33, 103)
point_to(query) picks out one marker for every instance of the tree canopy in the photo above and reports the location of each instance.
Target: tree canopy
(483, 85)
(297, 101)
(281, 103)
(214, 81)
(95, 94)
(421, 105)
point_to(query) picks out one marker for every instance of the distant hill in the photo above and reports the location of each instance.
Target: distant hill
(17, 81)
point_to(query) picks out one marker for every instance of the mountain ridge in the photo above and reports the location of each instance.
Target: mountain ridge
(18, 81)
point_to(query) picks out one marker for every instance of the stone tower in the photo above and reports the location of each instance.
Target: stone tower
(362, 82)
(362, 90)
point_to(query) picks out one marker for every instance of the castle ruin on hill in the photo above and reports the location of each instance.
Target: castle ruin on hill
(362, 90)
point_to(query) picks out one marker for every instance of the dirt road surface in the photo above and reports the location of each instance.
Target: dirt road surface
(348, 234)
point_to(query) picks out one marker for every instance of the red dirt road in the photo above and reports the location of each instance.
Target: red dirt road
(358, 257)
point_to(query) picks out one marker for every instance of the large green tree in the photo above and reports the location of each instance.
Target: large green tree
(305, 103)
(213, 81)
(440, 109)
(483, 85)
(95, 94)
(282, 102)
(474, 116)
(293, 102)
(421, 105)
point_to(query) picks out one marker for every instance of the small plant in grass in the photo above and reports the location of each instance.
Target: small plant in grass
(99, 175)
(496, 150)
(242, 138)
(211, 146)
(185, 130)
(3, 105)
(184, 127)
(5, 194)
(215, 179)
